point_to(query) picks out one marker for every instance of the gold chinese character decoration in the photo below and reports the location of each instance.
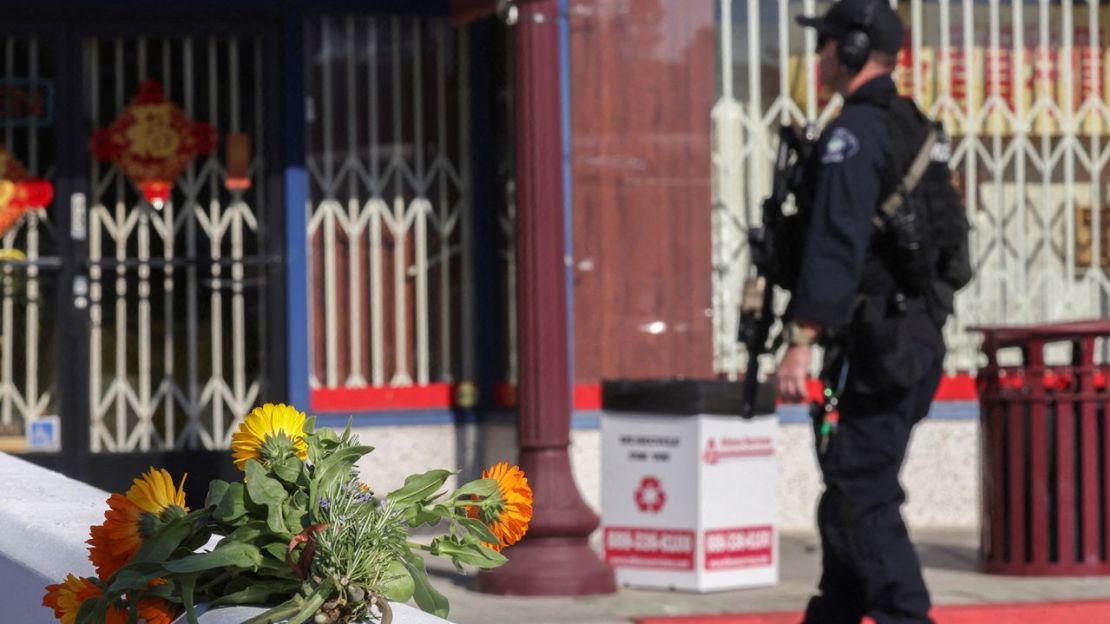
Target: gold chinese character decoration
(18, 191)
(152, 141)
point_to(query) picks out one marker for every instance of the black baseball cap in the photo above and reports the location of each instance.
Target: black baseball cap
(875, 17)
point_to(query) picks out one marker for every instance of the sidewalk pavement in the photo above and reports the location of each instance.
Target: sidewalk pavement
(949, 557)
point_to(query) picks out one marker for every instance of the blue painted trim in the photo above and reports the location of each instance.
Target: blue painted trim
(396, 418)
(941, 410)
(584, 420)
(483, 107)
(568, 203)
(296, 198)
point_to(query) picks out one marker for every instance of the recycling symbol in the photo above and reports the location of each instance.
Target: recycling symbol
(650, 496)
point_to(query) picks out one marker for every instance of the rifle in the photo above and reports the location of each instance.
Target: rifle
(757, 301)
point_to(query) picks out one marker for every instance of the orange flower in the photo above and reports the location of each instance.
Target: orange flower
(66, 598)
(156, 611)
(511, 512)
(115, 541)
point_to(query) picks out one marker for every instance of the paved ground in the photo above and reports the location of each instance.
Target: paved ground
(949, 558)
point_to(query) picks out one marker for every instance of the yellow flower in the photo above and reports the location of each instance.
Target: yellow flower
(509, 515)
(269, 433)
(66, 598)
(114, 542)
(11, 255)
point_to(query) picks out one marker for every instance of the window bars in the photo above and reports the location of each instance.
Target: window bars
(1022, 88)
(390, 222)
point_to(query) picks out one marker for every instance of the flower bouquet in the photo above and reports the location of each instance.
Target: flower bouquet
(301, 531)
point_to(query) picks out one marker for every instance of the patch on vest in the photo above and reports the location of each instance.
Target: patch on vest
(841, 146)
(942, 151)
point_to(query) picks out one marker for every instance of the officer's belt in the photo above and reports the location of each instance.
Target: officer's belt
(893, 204)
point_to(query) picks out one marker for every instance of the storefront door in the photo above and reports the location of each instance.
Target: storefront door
(146, 318)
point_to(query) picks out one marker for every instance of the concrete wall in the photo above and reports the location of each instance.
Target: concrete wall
(44, 523)
(941, 476)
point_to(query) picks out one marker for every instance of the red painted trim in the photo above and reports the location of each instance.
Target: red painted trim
(432, 396)
(958, 387)
(587, 397)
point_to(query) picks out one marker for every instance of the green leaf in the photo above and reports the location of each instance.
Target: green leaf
(259, 592)
(216, 491)
(277, 551)
(426, 596)
(133, 577)
(274, 520)
(188, 583)
(470, 554)
(231, 506)
(309, 425)
(261, 488)
(235, 554)
(158, 547)
(248, 533)
(419, 487)
(478, 529)
(397, 584)
(332, 468)
(264, 490)
(288, 469)
(418, 515)
(339, 464)
(295, 517)
(481, 488)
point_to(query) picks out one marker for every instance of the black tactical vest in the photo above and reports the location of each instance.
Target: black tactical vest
(936, 204)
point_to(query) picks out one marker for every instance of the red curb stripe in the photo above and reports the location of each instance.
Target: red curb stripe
(1079, 612)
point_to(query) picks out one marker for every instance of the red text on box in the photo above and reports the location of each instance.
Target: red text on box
(743, 547)
(664, 549)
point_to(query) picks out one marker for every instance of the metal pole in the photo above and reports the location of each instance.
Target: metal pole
(554, 558)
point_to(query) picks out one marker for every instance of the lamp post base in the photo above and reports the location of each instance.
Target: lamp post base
(549, 566)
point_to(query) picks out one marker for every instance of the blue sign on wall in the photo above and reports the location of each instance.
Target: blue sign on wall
(44, 434)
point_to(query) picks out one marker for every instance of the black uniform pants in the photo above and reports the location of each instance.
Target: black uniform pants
(870, 567)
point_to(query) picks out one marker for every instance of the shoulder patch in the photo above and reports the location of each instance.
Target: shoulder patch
(942, 150)
(841, 146)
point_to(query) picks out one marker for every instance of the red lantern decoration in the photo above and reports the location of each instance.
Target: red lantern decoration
(18, 193)
(152, 141)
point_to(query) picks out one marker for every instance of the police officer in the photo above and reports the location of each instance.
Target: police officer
(884, 365)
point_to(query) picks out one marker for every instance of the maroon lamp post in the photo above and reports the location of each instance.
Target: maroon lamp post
(554, 558)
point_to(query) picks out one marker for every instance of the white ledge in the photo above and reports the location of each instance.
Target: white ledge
(43, 527)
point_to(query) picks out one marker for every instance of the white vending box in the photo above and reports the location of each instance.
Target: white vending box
(688, 488)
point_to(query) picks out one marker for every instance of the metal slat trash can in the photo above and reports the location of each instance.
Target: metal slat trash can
(1045, 443)
(688, 488)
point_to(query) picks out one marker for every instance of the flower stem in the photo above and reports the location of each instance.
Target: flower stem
(313, 604)
(278, 613)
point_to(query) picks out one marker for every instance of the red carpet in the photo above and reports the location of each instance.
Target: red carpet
(1092, 612)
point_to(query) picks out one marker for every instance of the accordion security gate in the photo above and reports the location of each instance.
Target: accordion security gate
(176, 302)
(390, 230)
(139, 330)
(1022, 87)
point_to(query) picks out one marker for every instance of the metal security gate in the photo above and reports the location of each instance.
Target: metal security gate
(391, 225)
(176, 305)
(1022, 87)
